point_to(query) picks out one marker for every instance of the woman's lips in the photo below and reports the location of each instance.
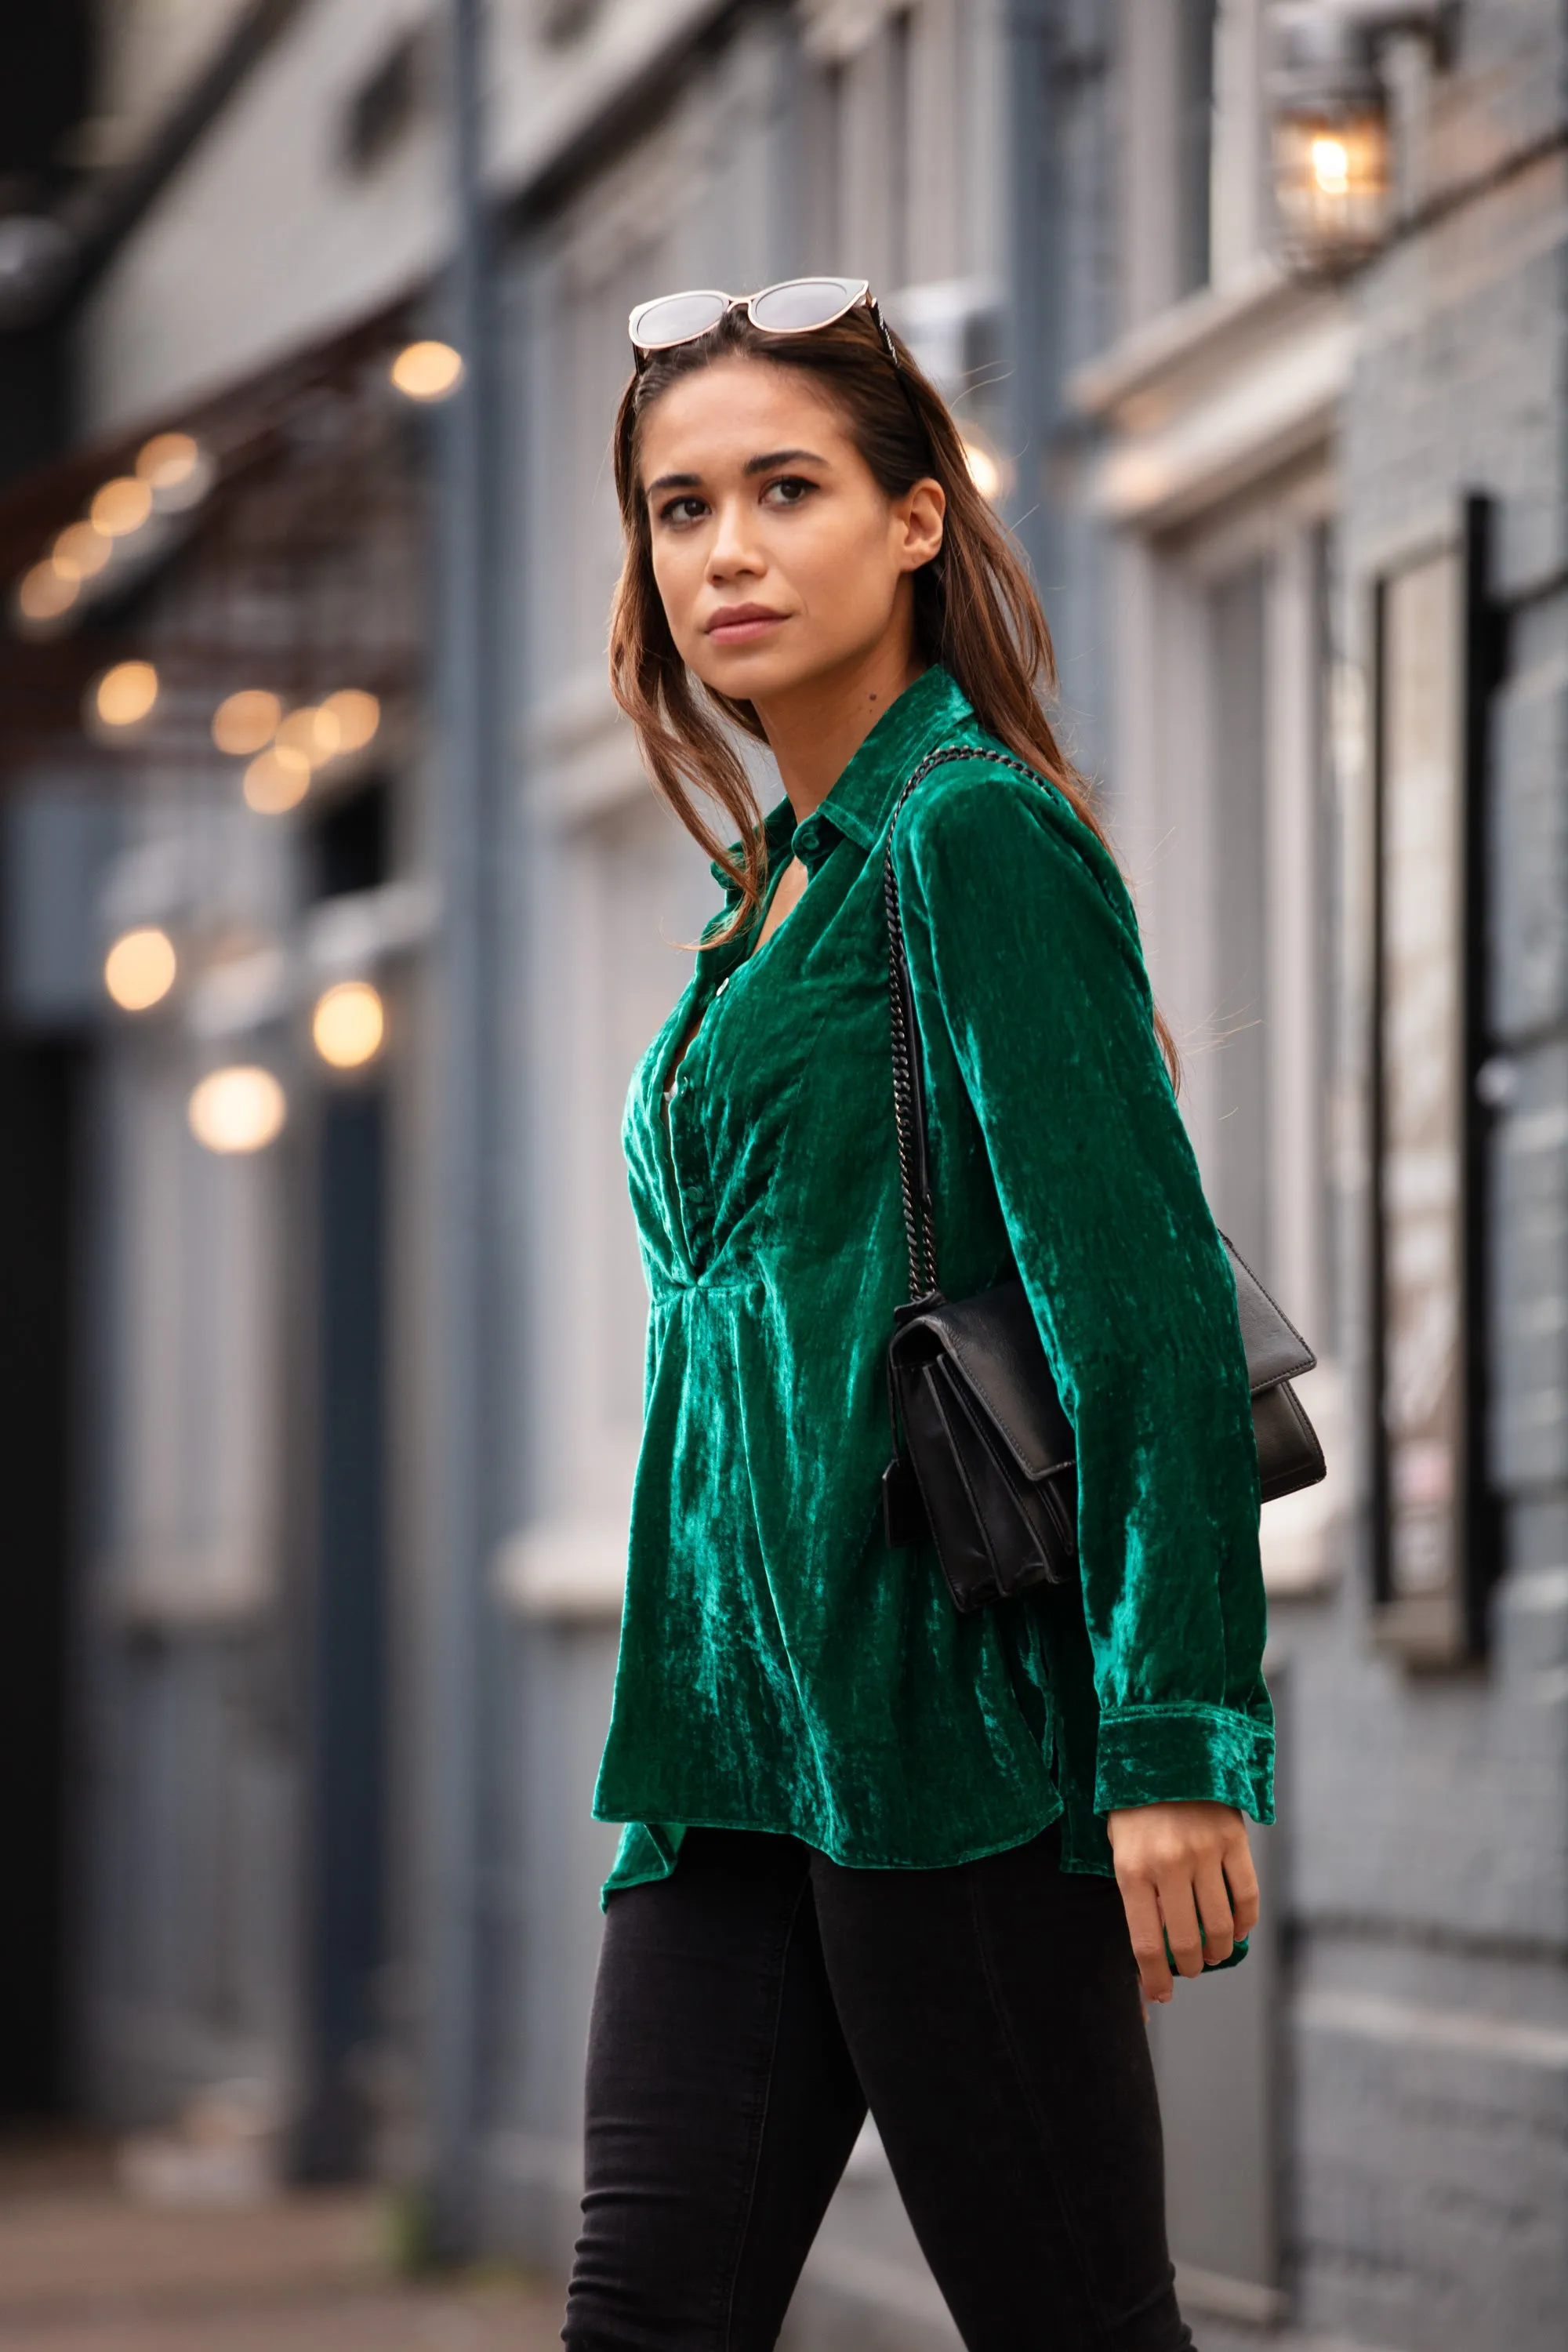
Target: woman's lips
(740, 622)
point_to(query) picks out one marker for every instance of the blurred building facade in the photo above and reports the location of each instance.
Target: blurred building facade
(1299, 531)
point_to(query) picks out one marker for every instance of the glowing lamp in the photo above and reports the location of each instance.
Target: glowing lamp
(348, 1024)
(427, 370)
(140, 968)
(238, 1110)
(1332, 185)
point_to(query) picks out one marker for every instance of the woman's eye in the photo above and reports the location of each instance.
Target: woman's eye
(789, 489)
(679, 510)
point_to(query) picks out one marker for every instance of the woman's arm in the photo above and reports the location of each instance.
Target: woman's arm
(1025, 938)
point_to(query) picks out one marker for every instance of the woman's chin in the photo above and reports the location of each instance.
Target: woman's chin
(747, 672)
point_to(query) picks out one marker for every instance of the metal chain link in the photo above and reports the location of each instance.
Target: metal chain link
(909, 1109)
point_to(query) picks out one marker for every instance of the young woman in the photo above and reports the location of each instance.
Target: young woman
(878, 1853)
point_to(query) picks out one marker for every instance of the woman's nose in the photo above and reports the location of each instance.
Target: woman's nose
(734, 548)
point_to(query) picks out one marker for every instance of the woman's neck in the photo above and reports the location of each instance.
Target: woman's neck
(814, 730)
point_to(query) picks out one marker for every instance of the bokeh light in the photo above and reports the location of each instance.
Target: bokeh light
(124, 695)
(277, 780)
(358, 715)
(241, 1108)
(349, 1025)
(427, 370)
(82, 550)
(44, 593)
(983, 471)
(246, 721)
(177, 470)
(313, 731)
(1331, 165)
(122, 507)
(139, 969)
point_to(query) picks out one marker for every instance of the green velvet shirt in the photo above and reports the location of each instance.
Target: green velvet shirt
(780, 1667)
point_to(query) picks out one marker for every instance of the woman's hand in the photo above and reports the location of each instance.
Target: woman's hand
(1187, 1878)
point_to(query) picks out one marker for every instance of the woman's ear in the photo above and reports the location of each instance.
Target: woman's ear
(922, 511)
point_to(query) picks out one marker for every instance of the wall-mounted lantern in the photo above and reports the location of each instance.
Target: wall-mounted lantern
(1332, 137)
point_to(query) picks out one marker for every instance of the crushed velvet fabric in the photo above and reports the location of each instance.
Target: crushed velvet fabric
(780, 1668)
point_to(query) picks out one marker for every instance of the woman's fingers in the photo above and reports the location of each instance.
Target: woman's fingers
(1242, 1879)
(1178, 1903)
(1148, 1937)
(1213, 1910)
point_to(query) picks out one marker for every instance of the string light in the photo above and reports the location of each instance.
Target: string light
(140, 969)
(312, 731)
(124, 695)
(358, 715)
(246, 721)
(175, 469)
(348, 1024)
(122, 507)
(80, 551)
(277, 780)
(238, 1110)
(427, 370)
(46, 593)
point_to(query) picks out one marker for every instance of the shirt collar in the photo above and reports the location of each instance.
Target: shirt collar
(925, 715)
(858, 806)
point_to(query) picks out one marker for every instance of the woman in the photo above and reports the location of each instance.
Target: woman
(876, 1852)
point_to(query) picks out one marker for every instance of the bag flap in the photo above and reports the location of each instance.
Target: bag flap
(1275, 1349)
(992, 1345)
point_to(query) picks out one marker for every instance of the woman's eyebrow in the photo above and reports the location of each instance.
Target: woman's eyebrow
(772, 457)
(675, 482)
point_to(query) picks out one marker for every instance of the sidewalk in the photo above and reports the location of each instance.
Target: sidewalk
(83, 2270)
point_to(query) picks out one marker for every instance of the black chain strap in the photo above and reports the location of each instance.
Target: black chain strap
(909, 1095)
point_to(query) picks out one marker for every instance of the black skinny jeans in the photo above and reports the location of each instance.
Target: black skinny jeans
(749, 2005)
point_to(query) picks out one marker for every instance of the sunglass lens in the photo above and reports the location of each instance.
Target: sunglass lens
(675, 318)
(804, 303)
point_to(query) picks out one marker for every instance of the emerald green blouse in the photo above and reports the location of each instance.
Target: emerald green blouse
(780, 1667)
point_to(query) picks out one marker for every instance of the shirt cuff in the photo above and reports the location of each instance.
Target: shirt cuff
(1164, 1755)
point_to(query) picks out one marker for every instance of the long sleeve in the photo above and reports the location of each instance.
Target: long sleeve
(1024, 948)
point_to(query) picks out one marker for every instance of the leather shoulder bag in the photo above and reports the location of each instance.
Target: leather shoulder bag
(984, 1467)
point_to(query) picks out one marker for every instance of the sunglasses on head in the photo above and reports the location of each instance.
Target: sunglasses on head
(797, 306)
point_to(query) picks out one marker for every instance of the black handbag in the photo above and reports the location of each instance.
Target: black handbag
(984, 1467)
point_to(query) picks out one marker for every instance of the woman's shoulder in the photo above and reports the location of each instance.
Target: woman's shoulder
(982, 811)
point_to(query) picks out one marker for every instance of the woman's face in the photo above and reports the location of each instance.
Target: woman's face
(779, 560)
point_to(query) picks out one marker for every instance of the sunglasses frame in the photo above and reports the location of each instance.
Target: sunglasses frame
(862, 293)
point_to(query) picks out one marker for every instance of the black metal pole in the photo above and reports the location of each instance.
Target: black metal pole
(465, 697)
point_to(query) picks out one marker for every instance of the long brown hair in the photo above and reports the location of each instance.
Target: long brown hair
(976, 610)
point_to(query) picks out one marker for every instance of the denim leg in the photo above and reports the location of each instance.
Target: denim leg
(992, 2014)
(722, 2104)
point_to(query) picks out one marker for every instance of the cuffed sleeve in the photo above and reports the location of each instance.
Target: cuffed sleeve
(1023, 945)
